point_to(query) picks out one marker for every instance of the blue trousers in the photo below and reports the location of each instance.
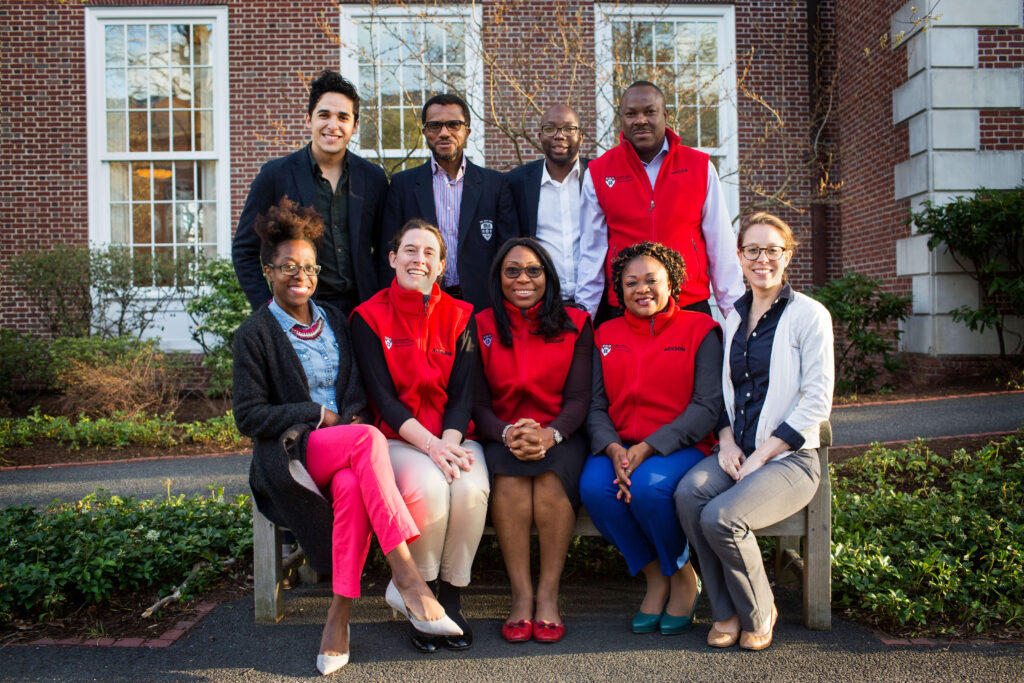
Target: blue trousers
(647, 528)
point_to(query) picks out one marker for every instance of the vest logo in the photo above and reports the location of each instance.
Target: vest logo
(681, 170)
(487, 230)
(441, 351)
(487, 340)
(609, 180)
(387, 342)
(606, 349)
(556, 340)
(396, 343)
(675, 348)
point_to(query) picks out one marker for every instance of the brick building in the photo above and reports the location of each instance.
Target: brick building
(143, 123)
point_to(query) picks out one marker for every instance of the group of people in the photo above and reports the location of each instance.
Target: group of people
(425, 356)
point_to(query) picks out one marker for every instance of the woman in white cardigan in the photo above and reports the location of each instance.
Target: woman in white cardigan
(777, 383)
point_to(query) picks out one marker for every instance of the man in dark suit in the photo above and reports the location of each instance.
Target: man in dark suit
(546, 193)
(348, 192)
(470, 204)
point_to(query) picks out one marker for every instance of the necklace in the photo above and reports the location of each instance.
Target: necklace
(311, 332)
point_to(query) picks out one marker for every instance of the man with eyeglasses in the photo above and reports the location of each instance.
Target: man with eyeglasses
(471, 205)
(652, 187)
(546, 193)
(347, 191)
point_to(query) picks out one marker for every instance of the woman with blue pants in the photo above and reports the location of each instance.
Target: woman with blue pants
(656, 397)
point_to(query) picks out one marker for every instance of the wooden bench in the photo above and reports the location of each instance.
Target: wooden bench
(813, 523)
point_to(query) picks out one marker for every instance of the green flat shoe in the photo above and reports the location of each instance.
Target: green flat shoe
(672, 625)
(647, 623)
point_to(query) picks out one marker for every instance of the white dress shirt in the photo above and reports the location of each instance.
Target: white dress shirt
(726, 275)
(447, 205)
(558, 223)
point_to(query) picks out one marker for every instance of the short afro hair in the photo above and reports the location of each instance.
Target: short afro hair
(284, 222)
(666, 256)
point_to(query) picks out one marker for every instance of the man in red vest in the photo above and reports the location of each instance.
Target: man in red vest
(652, 187)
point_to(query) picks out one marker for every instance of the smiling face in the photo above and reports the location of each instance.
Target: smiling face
(446, 145)
(292, 292)
(417, 262)
(331, 125)
(764, 274)
(645, 286)
(522, 291)
(644, 118)
(561, 149)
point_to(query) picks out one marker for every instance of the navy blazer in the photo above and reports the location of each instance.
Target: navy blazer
(487, 220)
(524, 184)
(290, 175)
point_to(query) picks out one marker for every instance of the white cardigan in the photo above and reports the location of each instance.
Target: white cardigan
(801, 376)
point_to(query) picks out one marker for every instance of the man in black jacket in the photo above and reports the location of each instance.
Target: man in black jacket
(470, 204)
(347, 191)
(546, 193)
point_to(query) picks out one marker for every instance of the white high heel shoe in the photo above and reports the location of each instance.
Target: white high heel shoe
(443, 626)
(328, 664)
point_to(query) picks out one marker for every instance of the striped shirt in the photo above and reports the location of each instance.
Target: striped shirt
(447, 202)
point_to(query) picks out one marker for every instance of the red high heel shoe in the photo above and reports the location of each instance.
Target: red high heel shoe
(517, 631)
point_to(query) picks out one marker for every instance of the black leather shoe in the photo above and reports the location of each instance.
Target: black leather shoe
(450, 598)
(424, 642)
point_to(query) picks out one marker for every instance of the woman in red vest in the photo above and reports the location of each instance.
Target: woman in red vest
(316, 466)
(657, 395)
(415, 346)
(530, 401)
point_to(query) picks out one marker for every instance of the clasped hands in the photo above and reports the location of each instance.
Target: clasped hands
(451, 458)
(625, 461)
(528, 440)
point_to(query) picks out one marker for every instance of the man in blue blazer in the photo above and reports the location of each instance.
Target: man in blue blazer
(546, 193)
(347, 191)
(470, 204)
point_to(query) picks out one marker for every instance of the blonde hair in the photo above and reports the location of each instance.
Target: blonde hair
(765, 218)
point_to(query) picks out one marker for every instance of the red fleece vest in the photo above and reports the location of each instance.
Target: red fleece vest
(669, 213)
(648, 369)
(527, 378)
(419, 341)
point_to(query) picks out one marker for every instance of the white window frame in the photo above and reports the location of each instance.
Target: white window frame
(349, 17)
(725, 16)
(99, 157)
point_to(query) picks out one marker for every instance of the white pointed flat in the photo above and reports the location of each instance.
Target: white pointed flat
(328, 664)
(443, 626)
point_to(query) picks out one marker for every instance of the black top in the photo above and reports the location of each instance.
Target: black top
(334, 254)
(690, 427)
(381, 387)
(750, 360)
(575, 395)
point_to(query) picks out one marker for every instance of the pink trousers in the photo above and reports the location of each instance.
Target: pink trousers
(351, 466)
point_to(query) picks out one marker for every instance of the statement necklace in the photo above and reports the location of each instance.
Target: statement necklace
(311, 332)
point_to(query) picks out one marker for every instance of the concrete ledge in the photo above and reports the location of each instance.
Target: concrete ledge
(912, 256)
(911, 97)
(973, 89)
(995, 170)
(910, 19)
(910, 177)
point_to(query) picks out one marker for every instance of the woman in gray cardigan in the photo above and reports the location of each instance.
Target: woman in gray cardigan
(317, 468)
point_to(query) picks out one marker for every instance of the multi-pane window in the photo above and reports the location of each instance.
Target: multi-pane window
(399, 57)
(157, 129)
(688, 51)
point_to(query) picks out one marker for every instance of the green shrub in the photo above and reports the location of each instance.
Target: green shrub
(923, 541)
(25, 361)
(217, 309)
(983, 234)
(865, 319)
(118, 431)
(57, 282)
(60, 558)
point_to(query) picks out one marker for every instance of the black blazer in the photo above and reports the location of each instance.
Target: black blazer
(487, 220)
(524, 183)
(290, 175)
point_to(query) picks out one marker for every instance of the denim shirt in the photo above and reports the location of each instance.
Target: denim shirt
(319, 357)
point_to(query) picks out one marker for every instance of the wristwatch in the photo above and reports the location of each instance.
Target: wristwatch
(557, 435)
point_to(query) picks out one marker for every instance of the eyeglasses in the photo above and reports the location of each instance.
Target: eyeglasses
(513, 272)
(291, 269)
(436, 126)
(550, 130)
(752, 253)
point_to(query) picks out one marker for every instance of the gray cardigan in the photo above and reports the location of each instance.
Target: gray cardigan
(273, 407)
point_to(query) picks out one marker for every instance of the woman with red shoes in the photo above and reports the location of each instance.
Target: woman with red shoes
(657, 395)
(531, 399)
(316, 467)
(415, 346)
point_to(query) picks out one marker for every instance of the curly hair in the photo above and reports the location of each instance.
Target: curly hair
(332, 81)
(552, 318)
(666, 256)
(284, 222)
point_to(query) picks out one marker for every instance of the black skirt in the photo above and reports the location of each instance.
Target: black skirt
(565, 460)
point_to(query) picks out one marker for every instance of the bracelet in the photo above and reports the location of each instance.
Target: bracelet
(430, 442)
(504, 433)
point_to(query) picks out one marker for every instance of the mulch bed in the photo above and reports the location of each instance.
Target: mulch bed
(121, 616)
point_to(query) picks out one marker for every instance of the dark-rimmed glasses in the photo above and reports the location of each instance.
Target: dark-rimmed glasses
(567, 131)
(513, 272)
(292, 269)
(752, 253)
(453, 126)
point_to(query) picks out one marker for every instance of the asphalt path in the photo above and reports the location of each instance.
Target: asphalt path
(228, 646)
